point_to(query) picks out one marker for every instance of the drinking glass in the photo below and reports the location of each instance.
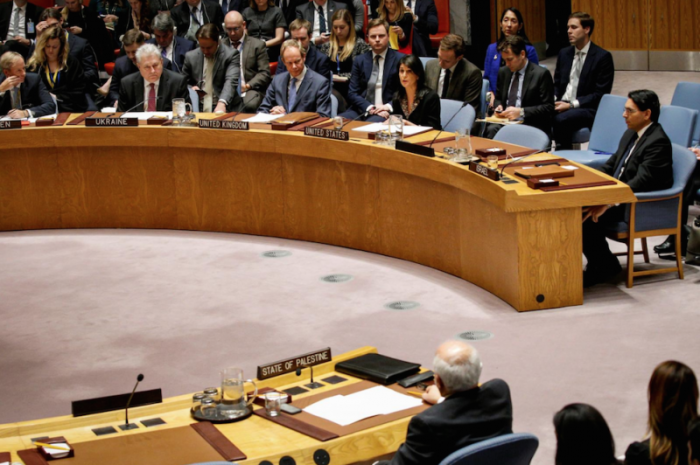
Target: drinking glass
(493, 162)
(180, 109)
(395, 124)
(273, 403)
(463, 146)
(233, 396)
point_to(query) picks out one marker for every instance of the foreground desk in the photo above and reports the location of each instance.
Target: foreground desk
(520, 244)
(259, 439)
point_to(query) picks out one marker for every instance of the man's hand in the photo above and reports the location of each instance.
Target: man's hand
(75, 30)
(245, 88)
(378, 109)
(111, 18)
(492, 98)
(398, 31)
(195, 88)
(18, 114)
(512, 113)
(562, 106)
(9, 83)
(322, 38)
(40, 27)
(594, 212)
(278, 110)
(696, 151)
(220, 107)
(432, 395)
(25, 42)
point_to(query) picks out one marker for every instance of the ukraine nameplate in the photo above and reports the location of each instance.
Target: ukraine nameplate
(11, 124)
(111, 122)
(215, 124)
(291, 364)
(327, 133)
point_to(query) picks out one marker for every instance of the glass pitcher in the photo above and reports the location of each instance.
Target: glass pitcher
(233, 394)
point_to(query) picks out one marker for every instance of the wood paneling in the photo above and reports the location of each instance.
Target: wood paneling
(620, 24)
(533, 15)
(674, 25)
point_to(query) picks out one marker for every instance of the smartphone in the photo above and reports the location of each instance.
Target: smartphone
(290, 409)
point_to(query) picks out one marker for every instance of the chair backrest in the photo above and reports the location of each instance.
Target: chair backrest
(194, 98)
(684, 162)
(687, 94)
(273, 68)
(482, 102)
(527, 136)
(334, 106)
(443, 11)
(463, 120)
(425, 60)
(609, 125)
(679, 124)
(509, 449)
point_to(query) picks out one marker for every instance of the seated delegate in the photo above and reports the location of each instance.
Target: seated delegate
(22, 94)
(415, 101)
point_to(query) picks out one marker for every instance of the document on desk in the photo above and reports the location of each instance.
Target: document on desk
(407, 130)
(262, 118)
(345, 410)
(144, 115)
(31, 120)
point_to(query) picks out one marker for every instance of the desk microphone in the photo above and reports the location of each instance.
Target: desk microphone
(140, 103)
(127, 425)
(312, 384)
(448, 123)
(363, 115)
(520, 159)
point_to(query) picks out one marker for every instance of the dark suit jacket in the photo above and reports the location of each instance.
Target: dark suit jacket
(427, 24)
(171, 86)
(596, 76)
(361, 72)
(290, 12)
(79, 49)
(94, 32)
(315, 60)
(227, 69)
(124, 67)
(34, 96)
(70, 88)
(465, 82)
(537, 98)
(462, 419)
(256, 70)
(314, 94)
(427, 113)
(650, 167)
(211, 14)
(306, 11)
(32, 13)
(180, 47)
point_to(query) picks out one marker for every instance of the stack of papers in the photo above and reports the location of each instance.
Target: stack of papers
(407, 130)
(262, 118)
(144, 115)
(345, 410)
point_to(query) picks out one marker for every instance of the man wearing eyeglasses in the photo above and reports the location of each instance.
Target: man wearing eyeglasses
(255, 74)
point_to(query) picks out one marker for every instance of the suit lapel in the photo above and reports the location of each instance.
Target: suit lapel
(305, 84)
(218, 58)
(590, 58)
(285, 91)
(138, 92)
(162, 86)
(529, 69)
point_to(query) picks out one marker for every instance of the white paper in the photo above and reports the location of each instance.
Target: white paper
(345, 410)
(108, 110)
(4, 463)
(144, 115)
(407, 130)
(262, 118)
(570, 168)
(31, 120)
(57, 453)
(546, 180)
(527, 167)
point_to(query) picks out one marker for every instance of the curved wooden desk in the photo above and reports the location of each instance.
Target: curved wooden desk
(522, 245)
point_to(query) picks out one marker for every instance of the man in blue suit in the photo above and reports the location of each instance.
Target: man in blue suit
(171, 46)
(425, 22)
(375, 76)
(584, 73)
(299, 89)
(315, 60)
(22, 94)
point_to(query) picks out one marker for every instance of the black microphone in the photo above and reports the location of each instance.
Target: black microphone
(363, 115)
(312, 384)
(520, 159)
(448, 123)
(140, 103)
(127, 425)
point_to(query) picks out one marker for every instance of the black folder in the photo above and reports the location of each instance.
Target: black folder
(378, 368)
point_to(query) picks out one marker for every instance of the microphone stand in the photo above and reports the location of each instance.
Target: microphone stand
(312, 384)
(127, 426)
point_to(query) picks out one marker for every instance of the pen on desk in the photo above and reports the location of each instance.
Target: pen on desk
(415, 393)
(52, 446)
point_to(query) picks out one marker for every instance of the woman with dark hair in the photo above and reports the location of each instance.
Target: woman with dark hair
(140, 17)
(266, 22)
(511, 24)
(400, 22)
(414, 101)
(583, 437)
(114, 13)
(61, 73)
(673, 404)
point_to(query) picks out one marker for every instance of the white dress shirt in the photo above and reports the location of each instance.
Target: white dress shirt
(21, 31)
(317, 20)
(640, 133)
(579, 61)
(380, 77)
(441, 79)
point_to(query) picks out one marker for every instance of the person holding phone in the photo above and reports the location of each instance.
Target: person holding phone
(319, 13)
(400, 22)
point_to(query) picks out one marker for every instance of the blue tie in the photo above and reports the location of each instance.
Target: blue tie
(621, 163)
(292, 94)
(224, 6)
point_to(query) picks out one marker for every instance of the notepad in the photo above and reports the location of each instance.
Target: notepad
(144, 115)
(262, 118)
(57, 453)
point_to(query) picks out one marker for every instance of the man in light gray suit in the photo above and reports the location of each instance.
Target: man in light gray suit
(213, 72)
(255, 77)
(298, 90)
(451, 76)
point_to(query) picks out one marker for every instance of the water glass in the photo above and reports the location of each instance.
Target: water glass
(273, 403)
(208, 408)
(395, 124)
(180, 109)
(337, 123)
(381, 138)
(493, 161)
(197, 401)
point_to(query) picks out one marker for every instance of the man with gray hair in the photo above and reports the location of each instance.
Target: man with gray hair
(171, 46)
(465, 411)
(22, 94)
(152, 88)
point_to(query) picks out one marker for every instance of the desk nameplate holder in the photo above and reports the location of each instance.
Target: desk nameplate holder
(415, 149)
(485, 171)
(327, 133)
(111, 122)
(219, 124)
(11, 124)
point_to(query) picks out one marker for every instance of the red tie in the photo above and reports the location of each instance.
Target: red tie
(151, 98)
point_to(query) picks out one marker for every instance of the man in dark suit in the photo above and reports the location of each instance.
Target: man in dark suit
(584, 73)
(315, 60)
(18, 20)
(375, 76)
(425, 22)
(171, 46)
(300, 89)
(451, 76)
(465, 412)
(22, 94)
(525, 91)
(255, 76)
(190, 15)
(152, 88)
(319, 13)
(644, 161)
(214, 69)
(84, 23)
(289, 8)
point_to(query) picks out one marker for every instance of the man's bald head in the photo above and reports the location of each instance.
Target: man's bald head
(458, 366)
(234, 25)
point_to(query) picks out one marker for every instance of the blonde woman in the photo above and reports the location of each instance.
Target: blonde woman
(400, 22)
(61, 73)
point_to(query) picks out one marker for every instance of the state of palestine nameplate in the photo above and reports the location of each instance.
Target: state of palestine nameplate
(11, 124)
(327, 133)
(111, 122)
(291, 364)
(216, 124)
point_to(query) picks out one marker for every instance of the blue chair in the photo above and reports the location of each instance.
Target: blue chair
(656, 214)
(509, 449)
(463, 120)
(483, 104)
(334, 106)
(687, 94)
(581, 136)
(425, 60)
(194, 98)
(678, 123)
(527, 136)
(608, 127)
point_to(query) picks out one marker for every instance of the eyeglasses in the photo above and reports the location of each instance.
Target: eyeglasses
(630, 111)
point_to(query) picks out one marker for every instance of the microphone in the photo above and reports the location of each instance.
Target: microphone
(519, 159)
(363, 115)
(312, 384)
(140, 103)
(127, 425)
(448, 123)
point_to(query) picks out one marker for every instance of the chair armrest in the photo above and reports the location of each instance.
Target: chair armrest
(658, 195)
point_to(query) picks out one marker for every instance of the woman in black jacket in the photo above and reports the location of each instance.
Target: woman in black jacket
(414, 100)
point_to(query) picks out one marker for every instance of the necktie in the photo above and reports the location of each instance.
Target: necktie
(164, 53)
(372, 84)
(208, 76)
(513, 94)
(292, 95)
(621, 164)
(151, 97)
(194, 16)
(445, 83)
(322, 21)
(236, 44)
(15, 24)
(224, 6)
(15, 98)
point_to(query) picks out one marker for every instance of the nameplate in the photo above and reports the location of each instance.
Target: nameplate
(215, 124)
(11, 124)
(291, 364)
(111, 122)
(327, 133)
(484, 171)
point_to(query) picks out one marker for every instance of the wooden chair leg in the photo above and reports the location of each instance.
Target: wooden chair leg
(645, 250)
(679, 259)
(630, 262)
